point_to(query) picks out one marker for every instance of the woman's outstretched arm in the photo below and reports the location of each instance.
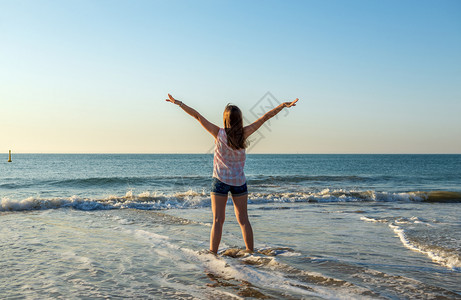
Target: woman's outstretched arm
(250, 129)
(210, 127)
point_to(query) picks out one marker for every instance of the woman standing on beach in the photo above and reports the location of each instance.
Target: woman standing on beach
(228, 164)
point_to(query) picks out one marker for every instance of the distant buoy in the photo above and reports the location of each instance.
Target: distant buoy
(9, 157)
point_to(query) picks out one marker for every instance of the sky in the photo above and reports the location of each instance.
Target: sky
(82, 76)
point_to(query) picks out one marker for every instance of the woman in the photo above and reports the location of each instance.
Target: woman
(228, 163)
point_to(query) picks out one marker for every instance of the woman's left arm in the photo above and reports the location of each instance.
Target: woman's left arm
(210, 127)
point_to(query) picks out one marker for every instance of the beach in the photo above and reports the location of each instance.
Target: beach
(137, 226)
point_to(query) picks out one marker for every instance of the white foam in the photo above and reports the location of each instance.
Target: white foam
(401, 221)
(367, 219)
(144, 201)
(126, 222)
(232, 269)
(84, 262)
(439, 256)
(335, 195)
(32, 203)
(417, 220)
(150, 235)
(144, 194)
(191, 199)
(290, 254)
(272, 275)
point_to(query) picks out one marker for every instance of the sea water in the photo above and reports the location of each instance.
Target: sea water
(103, 226)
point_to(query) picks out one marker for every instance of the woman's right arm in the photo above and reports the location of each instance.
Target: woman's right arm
(210, 127)
(250, 129)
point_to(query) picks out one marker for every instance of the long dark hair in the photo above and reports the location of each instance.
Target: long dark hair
(233, 124)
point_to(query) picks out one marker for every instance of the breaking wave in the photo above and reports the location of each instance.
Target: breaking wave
(439, 252)
(193, 199)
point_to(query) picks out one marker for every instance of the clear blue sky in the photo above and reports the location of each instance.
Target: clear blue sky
(92, 76)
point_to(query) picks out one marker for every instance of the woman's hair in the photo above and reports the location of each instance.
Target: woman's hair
(233, 124)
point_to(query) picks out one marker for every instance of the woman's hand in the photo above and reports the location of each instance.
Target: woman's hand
(290, 104)
(173, 100)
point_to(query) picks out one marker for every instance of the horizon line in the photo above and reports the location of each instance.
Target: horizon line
(258, 153)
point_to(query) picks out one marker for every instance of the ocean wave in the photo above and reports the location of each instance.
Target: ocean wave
(440, 196)
(442, 255)
(145, 201)
(342, 195)
(445, 257)
(192, 199)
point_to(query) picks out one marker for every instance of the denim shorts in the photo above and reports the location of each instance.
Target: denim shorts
(220, 188)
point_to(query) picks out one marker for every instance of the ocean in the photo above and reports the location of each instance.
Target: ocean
(102, 226)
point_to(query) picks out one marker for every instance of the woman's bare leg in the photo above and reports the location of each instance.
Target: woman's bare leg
(218, 206)
(241, 213)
